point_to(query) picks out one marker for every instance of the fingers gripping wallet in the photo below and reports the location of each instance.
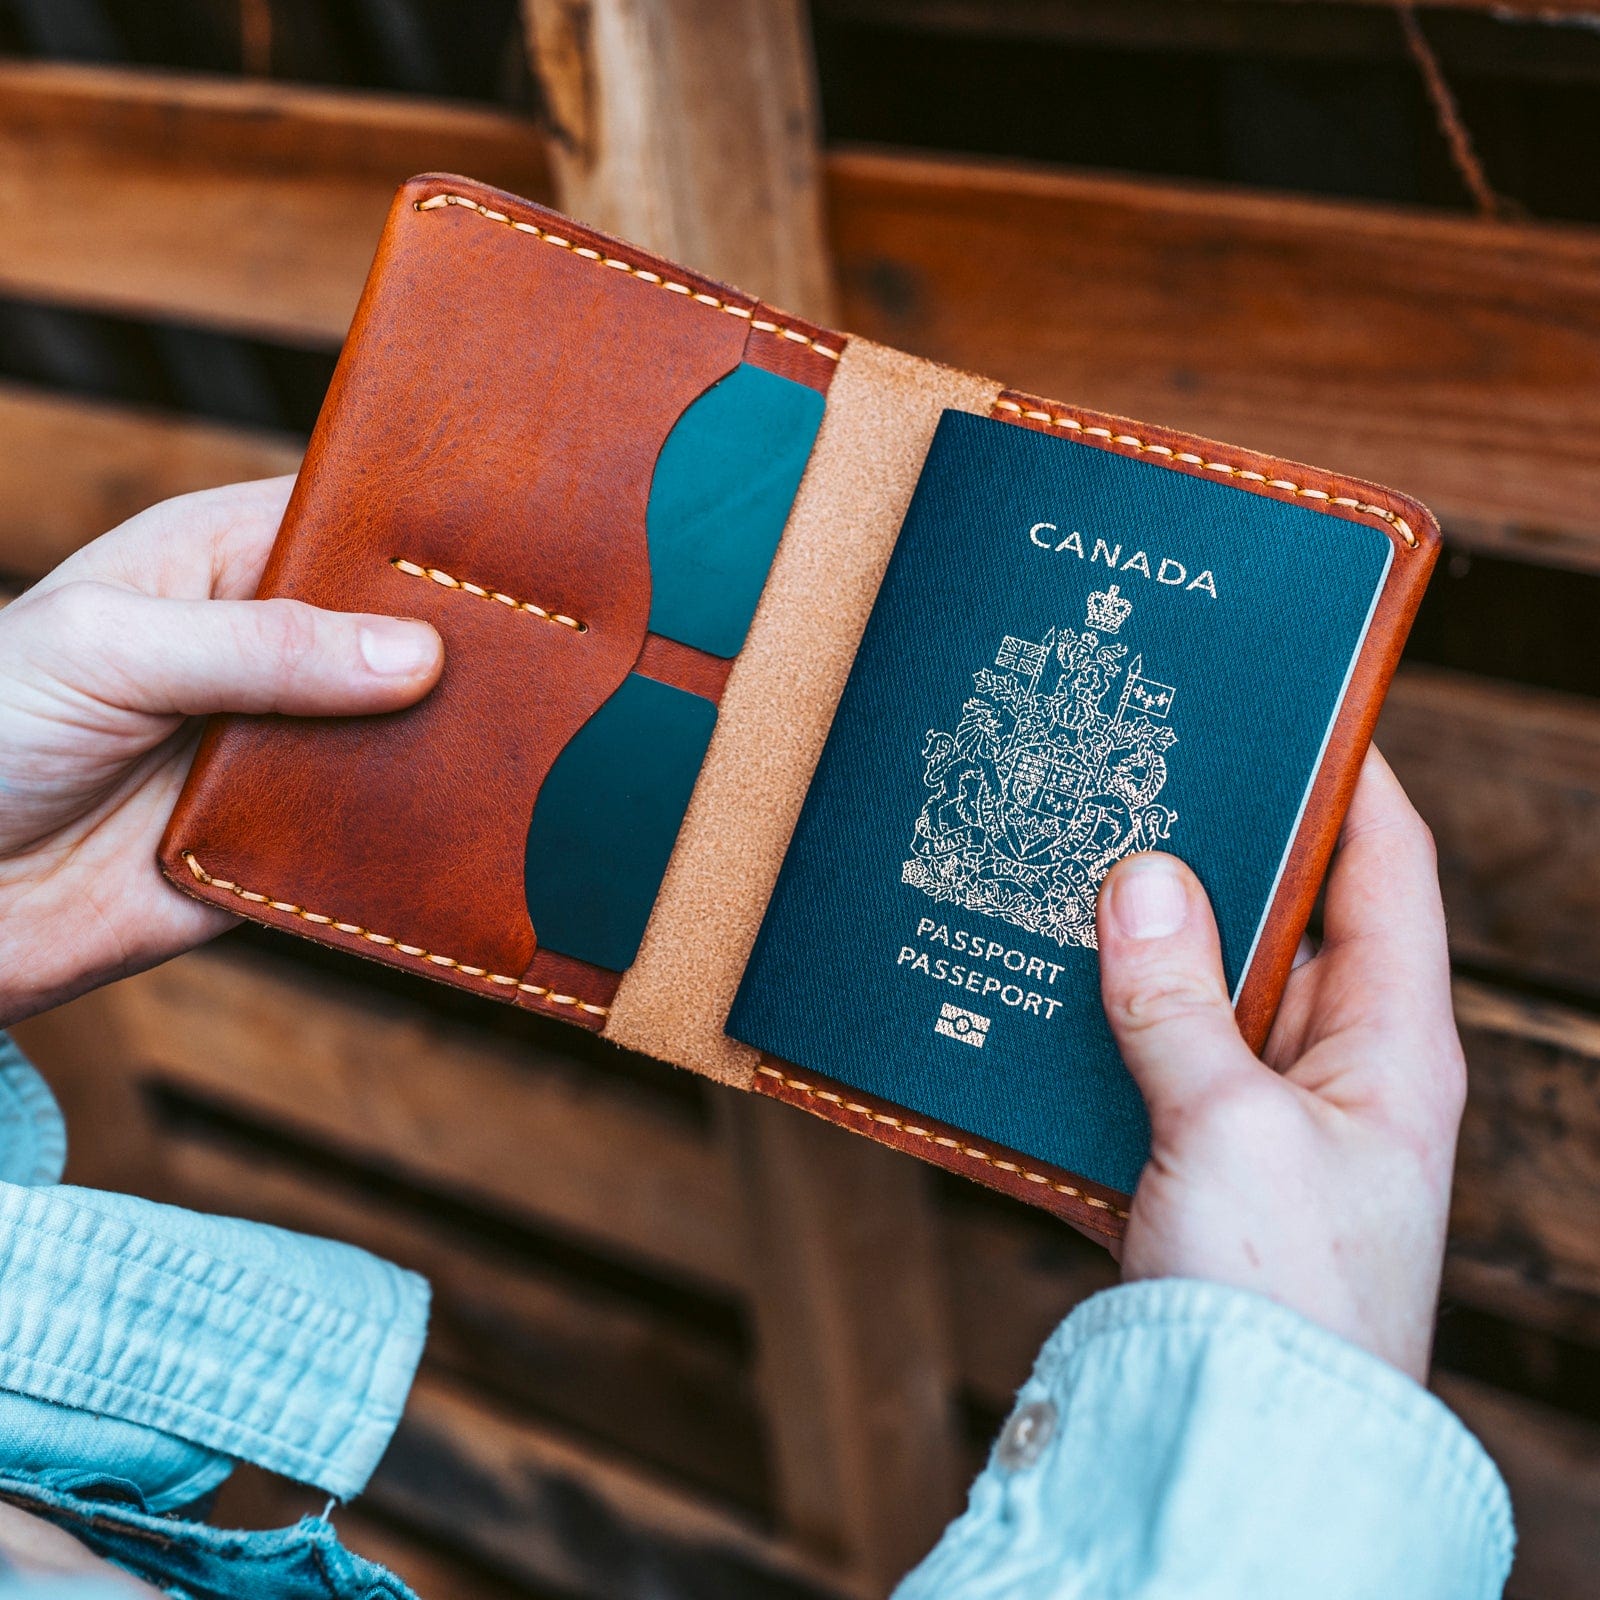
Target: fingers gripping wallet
(798, 693)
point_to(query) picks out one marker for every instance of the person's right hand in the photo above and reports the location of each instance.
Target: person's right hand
(1321, 1177)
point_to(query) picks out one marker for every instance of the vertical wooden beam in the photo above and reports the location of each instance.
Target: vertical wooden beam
(851, 1314)
(690, 126)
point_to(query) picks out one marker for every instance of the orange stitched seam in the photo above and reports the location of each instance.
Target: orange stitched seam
(1190, 459)
(942, 1140)
(549, 996)
(445, 581)
(644, 274)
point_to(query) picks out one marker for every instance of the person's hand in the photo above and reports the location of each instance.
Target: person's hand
(102, 664)
(1322, 1177)
(32, 1548)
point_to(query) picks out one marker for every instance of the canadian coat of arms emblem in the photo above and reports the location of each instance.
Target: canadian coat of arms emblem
(1037, 794)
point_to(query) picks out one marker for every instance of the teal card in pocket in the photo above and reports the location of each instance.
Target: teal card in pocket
(721, 494)
(608, 814)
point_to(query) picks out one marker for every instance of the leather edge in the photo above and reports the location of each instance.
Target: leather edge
(545, 987)
(1331, 789)
(1091, 1208)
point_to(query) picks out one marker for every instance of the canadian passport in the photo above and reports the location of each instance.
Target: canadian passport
(1075, 655)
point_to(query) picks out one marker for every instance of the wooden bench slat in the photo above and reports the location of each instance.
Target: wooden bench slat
(1509, 780)
(1454, 358)
(247, 205)
(1500, 1287)
(482, 1118)
(570, 1520)
(1528, 1171)
(1264, 27)
(75, 468)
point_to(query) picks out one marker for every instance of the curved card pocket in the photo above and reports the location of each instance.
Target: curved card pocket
(608, 816)
(721, 494)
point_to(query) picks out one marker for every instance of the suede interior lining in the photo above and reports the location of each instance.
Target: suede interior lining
(779, 702)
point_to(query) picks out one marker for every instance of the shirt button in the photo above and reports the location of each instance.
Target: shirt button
(1025, 1435)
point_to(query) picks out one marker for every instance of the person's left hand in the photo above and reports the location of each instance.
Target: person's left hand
(102, 666)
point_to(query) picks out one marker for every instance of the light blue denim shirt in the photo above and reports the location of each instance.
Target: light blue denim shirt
(145, 1349)
(1175, 1439)
(1181, 1441)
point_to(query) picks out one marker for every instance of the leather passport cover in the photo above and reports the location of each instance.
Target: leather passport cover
(651, 518)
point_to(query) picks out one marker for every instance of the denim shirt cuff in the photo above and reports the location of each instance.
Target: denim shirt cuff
(1178, 1437)
(294, 1353)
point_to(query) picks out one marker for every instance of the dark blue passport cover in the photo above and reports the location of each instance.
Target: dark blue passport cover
(1074, 655)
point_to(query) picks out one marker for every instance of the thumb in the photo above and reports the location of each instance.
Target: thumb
(189, 657)
(1162, 984)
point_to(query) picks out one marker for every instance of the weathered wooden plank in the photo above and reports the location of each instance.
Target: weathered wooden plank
(851, 1314)
(691, 127)
(1509, 780)
(583, 1352)
(235, 202)
(1551, 1463)
(74, 468)
(1013, 1277)
(1528, 1175)
(1459, 359)
(568, 1520)
(1335, 34)
(1501, 1288)
(482, 1118)
(1579, 11)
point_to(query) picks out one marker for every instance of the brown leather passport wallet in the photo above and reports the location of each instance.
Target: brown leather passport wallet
(658, 524)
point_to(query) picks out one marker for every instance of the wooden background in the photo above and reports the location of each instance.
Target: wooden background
(683, 1344)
